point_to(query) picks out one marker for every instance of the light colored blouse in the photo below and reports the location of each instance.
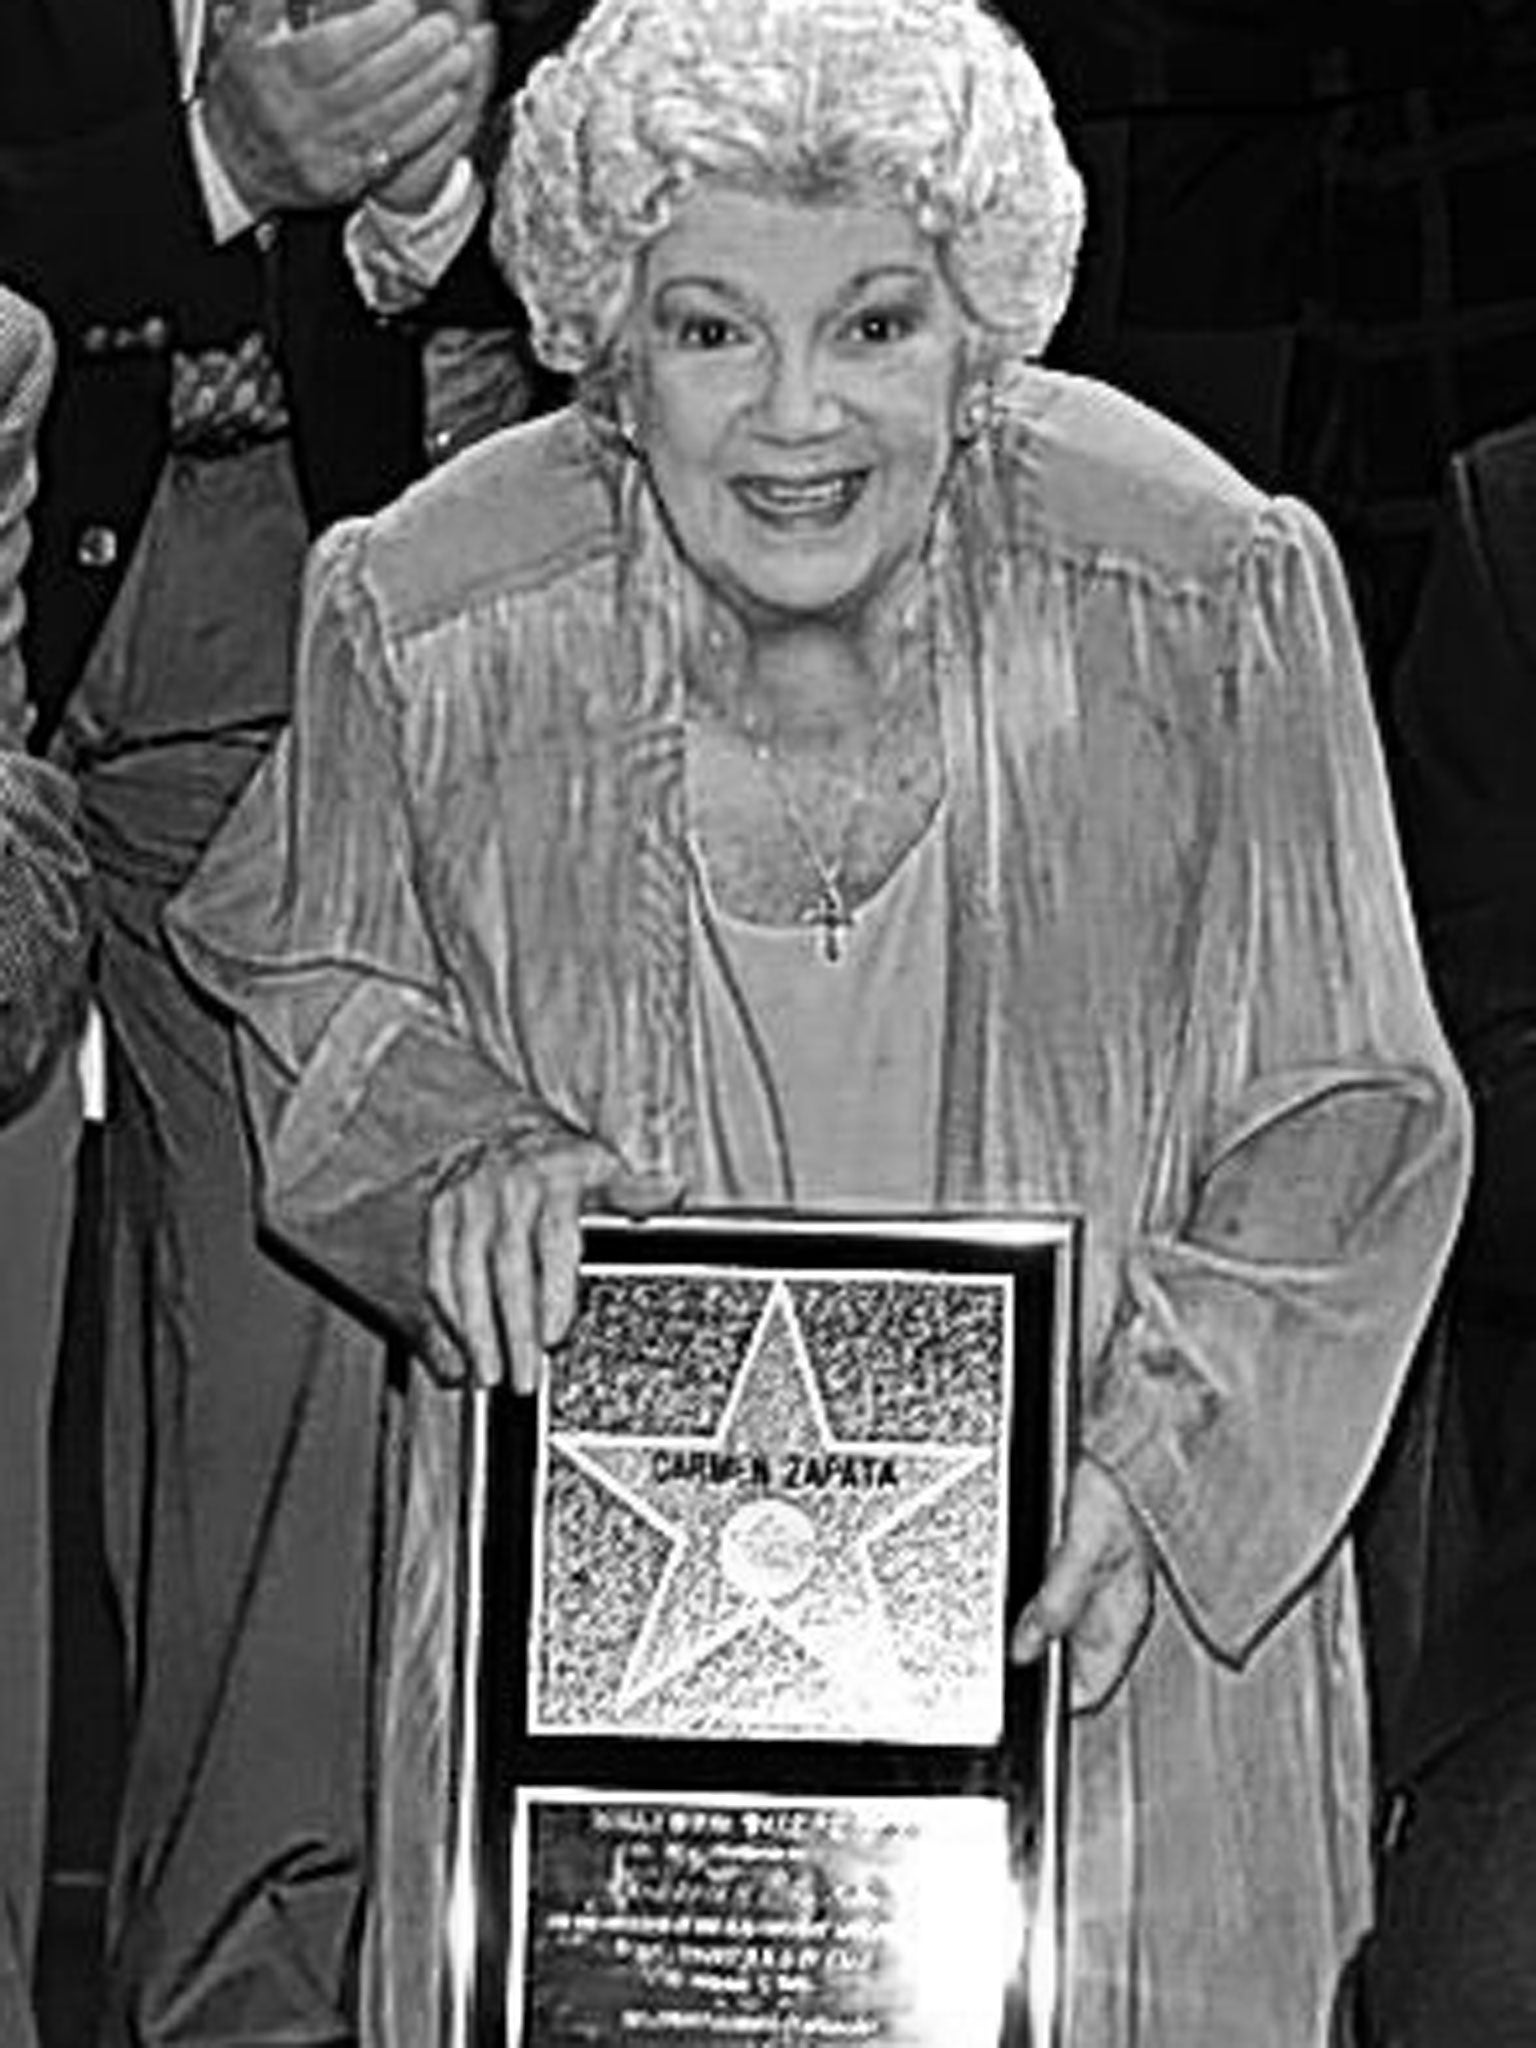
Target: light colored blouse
(798, 1059)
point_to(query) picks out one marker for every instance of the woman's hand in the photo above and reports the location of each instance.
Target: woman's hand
(1097, 1593)
(504, 1250)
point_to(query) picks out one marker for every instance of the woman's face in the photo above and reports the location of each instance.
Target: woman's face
(796, 372)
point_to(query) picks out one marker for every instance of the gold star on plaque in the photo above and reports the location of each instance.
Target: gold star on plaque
(769, 1524)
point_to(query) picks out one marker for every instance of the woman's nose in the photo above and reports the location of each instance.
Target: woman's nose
(799, 399)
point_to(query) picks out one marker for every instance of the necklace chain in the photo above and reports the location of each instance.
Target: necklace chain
(831, 913)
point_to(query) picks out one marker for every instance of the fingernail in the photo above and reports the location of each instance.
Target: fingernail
(1028, 1638)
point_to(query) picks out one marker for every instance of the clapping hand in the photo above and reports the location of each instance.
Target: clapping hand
(379, 97)
(504, 1251)
(1097, 1593)
(417, 177)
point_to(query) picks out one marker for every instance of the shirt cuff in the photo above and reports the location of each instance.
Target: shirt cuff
(228, 214)
(397, 257)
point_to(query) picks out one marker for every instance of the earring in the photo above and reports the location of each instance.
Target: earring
(624, 422)
(976, 410)
(604, 398)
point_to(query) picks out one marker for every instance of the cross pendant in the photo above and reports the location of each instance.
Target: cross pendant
(831, 917)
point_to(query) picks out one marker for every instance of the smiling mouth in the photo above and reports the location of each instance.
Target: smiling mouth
(798, 502)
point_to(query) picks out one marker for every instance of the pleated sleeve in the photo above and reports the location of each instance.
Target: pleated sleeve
(1316, 1152)
(364, 1073)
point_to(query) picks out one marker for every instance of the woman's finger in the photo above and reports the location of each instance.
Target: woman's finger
(457, 1292)
(1109, 1633)
(444, 1229)
(640, 1194)
(585, 1177)
(474, 1282)
(514, 1269)
(558, 1250)
(1101, 1533)
(1057, 1607)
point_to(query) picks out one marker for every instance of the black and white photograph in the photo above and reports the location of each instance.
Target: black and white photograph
(767, 1023)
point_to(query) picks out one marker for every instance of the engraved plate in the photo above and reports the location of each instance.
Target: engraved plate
(707, 1920)
(741, 1606)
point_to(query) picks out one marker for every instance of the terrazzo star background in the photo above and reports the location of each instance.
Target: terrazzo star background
(773, 1506)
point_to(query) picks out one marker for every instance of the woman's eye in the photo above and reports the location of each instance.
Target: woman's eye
(880, 325)
(706, 331)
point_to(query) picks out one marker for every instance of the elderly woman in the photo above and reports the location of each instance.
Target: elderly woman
(838, 764)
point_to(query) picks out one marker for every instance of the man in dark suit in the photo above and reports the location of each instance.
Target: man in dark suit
(1453, 1959)
(234, 217)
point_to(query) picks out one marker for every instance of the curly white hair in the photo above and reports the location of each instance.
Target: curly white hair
(933, 102)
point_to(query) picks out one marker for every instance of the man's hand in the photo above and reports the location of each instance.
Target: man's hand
(412, 187)
(1097, 1593)
(318, 115)
(418, 179)
(504, 1251)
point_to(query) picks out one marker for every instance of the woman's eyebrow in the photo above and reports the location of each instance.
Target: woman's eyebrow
(704, 281)
(903, 274)
(886, 273)
(906, 280)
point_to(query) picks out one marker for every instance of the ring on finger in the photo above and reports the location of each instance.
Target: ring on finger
(378, 162)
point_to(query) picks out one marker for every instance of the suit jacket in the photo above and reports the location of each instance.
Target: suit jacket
(1465, 703)
(102, 223)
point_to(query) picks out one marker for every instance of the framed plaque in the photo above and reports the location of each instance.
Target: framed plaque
(743, 1758)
